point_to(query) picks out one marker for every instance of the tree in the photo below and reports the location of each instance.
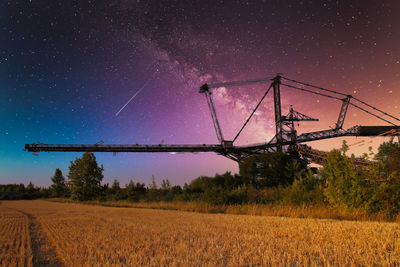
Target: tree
(346, 185)
(305, 189)
(85, 177)
(153, 193)
(135, 191)
(153, 184)
(386, 196)
(165, 185)
(30, 188)
(115, 186)
(389, 155)
(375, 189)
(115, 192)
(58, 188)
(31, 192)
(175, 190)
(270, 170)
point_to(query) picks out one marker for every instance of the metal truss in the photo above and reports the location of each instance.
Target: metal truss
(285, 140)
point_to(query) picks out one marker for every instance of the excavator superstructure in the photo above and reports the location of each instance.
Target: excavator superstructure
(285, 140)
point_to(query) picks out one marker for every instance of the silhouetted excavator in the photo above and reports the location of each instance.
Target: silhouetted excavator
(286, 138)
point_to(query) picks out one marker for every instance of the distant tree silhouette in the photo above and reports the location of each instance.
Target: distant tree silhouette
(59, 187)
(85, 177)
(115, 187)
(30, 188)
(165, 185)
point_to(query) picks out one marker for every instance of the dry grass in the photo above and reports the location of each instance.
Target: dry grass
(95, 235)
(15, 249)
(302, 211)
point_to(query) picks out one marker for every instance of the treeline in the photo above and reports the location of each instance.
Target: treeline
(20, 191)
(274, 178)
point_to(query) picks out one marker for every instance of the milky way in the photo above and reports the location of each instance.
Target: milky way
(67, 67)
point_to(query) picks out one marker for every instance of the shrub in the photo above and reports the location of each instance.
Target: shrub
(306, 189)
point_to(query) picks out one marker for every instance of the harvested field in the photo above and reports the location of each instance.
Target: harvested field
(15, 245)
(95, 235)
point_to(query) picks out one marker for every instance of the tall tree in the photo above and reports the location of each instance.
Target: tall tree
(59, 187)
(85, 177)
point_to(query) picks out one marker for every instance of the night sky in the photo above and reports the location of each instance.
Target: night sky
(67, 67)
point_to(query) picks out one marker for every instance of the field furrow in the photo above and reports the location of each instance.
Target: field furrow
(94, 235)
(15, 247)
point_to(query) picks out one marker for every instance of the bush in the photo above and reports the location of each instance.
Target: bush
(345, 183)
(374, 189)
(388, 196)
(238, 195)
(306, 189)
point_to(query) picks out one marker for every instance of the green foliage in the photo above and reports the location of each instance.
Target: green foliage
(136, 192)
(115, 192)
(165, 185)
(306, 189)
(204, 183)
(176, 190)
(345, 147)
(19, 191)
(58, 188)
(216, 195)
(267, 178)
(375, 189)
(166, 192)
(385, 178)
(213, 190)
(30, 188)
(389, 155)
(345, 184)
(387, 196)
(238, 195)
(270, 170)
(85, 177)
(227, 189)
(243, 194)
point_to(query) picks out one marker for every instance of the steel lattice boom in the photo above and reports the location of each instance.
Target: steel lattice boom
(285, 139)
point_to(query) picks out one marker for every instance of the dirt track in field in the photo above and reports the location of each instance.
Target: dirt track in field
(43, 253)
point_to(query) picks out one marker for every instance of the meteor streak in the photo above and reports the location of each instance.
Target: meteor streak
(116, 114)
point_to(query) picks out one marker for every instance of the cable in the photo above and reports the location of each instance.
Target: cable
(306, 90)
(354, 105)
(310, 85)
(244, 125)
(387, 114)
(313, 92)
(359, 100)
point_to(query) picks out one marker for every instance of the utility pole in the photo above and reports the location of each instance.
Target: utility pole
(278, 111)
